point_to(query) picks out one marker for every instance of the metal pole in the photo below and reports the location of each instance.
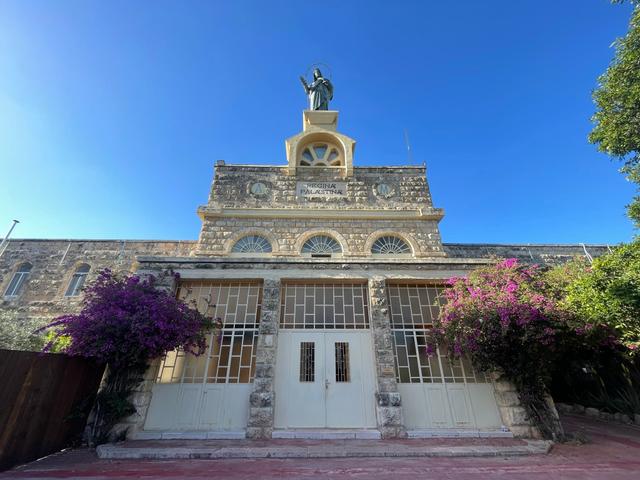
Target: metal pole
(6, 238)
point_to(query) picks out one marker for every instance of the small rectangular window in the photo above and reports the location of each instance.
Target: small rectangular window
(342, 362)
(307, 361)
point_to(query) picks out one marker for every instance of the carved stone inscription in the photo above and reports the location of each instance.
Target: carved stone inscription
(321, 189)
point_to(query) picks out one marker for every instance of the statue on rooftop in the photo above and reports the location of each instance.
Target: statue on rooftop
(319, 92)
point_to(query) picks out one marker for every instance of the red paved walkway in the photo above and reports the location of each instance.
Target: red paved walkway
(613, 454)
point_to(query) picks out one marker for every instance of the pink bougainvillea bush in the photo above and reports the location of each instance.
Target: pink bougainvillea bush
(125, 322)
(501, 318)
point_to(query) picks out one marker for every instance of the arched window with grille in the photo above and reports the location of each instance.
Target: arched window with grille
(321, 246)
(390, 245)
(252, 244)
(18, 280)
(77, 281)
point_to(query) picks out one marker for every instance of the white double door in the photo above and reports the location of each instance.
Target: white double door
(325, 379)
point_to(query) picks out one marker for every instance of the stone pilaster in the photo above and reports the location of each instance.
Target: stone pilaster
(388, 401)
(262, 399)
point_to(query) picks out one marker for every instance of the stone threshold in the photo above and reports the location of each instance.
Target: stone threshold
(458, 433)
(208, 449)
(328, 434)
(188, 435)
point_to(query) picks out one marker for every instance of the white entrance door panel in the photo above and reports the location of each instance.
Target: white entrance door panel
(437, 405)
(484, 405)
(300, 394)
(199, 406)
(210, 413)
(349, 380)
(449, 405)
(325, 379)
(188, 406)
(164, 404)
(350, 383)
(461, 413)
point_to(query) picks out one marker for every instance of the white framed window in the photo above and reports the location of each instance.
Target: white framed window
(18, 280)
(412, 308)
(390, 245)
(77, 281)
(321, 246)
(252, 244)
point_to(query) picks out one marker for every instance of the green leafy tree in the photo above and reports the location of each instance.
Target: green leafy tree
(609, 294)
(18, 333)
(616, 129)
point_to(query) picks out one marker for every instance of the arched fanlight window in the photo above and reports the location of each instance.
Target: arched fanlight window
(321, 155)
(390, 245)
(321, 246)
(252, 244)
(77, 281)
(18, 280)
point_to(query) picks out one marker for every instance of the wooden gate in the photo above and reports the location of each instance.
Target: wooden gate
(44, 403)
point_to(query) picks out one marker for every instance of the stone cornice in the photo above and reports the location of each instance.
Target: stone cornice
(324, 213)
(311, 262)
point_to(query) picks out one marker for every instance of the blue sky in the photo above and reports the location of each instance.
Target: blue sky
(112, 114)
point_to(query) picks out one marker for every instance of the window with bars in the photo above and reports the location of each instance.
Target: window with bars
(413, 307)
(231, 349)
(342, 362)
(324, 305)
(307, 361)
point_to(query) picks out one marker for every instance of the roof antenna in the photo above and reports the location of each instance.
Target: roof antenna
(409, 152)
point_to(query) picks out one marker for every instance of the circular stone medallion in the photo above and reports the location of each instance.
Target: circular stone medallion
(258, 189)
(384, 190)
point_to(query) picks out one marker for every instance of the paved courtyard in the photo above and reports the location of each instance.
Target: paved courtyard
(613, 453)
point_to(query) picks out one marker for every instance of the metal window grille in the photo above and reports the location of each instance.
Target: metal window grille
(18, 280)
(252, 244)
(307, 361)
(231, 351)
(390, 245)
(321, 245)
(342, 362)
(77, 281)
(324, 305)
(413, 307)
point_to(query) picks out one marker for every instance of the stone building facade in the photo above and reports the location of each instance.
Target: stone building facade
(326, 278)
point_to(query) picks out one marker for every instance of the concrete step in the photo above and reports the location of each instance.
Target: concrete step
(188, 435)
(212, 449)
(458, 433)
(327, 434)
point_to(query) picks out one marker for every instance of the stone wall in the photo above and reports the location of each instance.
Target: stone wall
(55, 261)
(550, 254)
(231, 188)
(231, 192)
(219, 234)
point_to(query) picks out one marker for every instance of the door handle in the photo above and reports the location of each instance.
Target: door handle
(326, 384)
